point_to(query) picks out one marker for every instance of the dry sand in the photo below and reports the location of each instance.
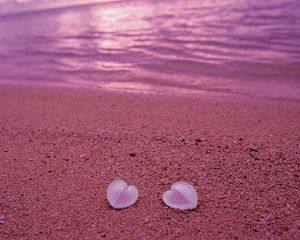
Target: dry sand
(60, 148)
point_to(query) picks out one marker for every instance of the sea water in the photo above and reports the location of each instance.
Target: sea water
(241, 48)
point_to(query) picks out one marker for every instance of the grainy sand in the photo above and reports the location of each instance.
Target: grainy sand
(60, 148)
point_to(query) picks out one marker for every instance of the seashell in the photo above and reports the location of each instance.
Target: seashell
(120, 195)
(182, 195)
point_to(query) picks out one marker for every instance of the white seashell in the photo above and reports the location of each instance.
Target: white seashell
(182, 196)
(120, 195)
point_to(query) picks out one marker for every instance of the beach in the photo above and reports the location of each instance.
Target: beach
(61, 147)
(150, 92)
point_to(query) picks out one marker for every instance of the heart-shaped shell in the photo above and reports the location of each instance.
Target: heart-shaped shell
(120, 195)
(182, 195)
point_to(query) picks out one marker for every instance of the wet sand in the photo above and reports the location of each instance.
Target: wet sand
(61, 147)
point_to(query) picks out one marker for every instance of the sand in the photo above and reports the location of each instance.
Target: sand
(61, 147)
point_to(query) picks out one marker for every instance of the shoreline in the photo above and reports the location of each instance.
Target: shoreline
(61, 147)
(257, 92)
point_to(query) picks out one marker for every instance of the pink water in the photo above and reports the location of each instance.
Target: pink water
(247, 47)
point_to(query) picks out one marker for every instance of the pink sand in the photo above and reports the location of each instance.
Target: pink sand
(60, 148)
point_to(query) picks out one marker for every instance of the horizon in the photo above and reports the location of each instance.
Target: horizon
(20, 6)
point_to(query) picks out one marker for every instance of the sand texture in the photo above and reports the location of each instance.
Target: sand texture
(60, 148)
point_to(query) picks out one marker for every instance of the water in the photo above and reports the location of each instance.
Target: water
(249, 48)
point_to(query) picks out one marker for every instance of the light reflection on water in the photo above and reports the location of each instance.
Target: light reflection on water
(156, 42)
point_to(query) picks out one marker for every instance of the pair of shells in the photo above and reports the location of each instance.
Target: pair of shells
(181, 195)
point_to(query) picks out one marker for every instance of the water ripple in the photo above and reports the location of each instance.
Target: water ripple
(250, 39)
